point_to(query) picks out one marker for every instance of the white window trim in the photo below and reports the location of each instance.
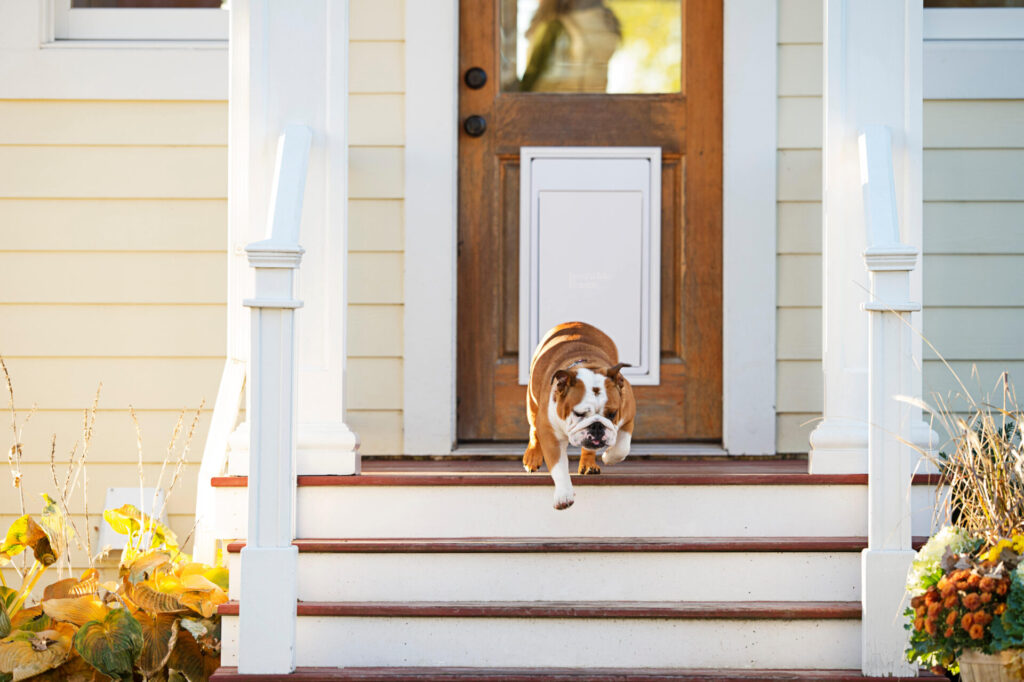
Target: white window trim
(33, 65)
(990, 23)
(138, 24)
(749, 232)
(973, 53)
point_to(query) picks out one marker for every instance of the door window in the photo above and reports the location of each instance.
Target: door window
(591, 46)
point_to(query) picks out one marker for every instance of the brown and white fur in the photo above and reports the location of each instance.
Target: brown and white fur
(578, 397)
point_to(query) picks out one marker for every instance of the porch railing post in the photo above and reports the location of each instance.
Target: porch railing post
(884, 564)
(267, 608)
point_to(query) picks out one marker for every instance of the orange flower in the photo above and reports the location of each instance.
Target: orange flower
(972, 601)
(917, 601)
(986, 597)
(919, 624)
(974, 580)
(1000, 608)
(951, 601)
(948, 588)
(977, 631)
(982, 618)
(948, 632)
(967, 621)
(933, 610)
(1003, 586)
(920, 610)
(930, 626)
(987, 584)
(961, 584)
(951, 618)
(931, 596)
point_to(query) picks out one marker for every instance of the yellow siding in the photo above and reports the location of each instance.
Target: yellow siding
(376, 223)
(798, 320)
(113, 229)
(974, 244)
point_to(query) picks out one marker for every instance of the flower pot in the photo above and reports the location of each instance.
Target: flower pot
(1001, 667)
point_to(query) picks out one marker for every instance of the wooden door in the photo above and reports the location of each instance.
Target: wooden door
(686, 125)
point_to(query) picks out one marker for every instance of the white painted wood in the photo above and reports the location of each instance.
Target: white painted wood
(269, 554)
(973, 69)
(974, 23)
(748, 226)
(431, 160)
(590, 226)
(215, 455)
(35, 66)
(639, 643)
(654, 511)
(275, 83)
(138, 24)
(872, 77)
(639, 576)
(891, 374)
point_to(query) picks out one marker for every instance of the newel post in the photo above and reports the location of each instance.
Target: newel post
(267, 609)
(884, 564)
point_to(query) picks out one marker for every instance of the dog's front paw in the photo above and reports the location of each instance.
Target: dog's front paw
(532, 459)
(588, 463)
(564, 499)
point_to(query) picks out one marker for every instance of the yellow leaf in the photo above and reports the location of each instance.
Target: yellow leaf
(198, 583)
(159, 634)
(146, 566)
(24, 654)
(76, 610)
(154, 601)
(24, 534)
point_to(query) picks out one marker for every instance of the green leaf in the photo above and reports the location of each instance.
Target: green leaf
(8, 595)
(5, 623)
(26, 654)
(111, 645)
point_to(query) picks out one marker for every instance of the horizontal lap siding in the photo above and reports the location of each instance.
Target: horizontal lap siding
(113, 225)
(376, 224)
(974, 246)
(798, 316)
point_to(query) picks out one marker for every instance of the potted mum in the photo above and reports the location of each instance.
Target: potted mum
(966, 585)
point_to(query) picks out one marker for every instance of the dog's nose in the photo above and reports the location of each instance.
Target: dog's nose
(597, 428)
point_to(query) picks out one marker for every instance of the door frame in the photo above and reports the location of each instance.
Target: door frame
(748, 225)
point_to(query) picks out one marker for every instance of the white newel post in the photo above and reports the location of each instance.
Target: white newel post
(884, 564)
(289, 65)
(269, 559)
(872, 76)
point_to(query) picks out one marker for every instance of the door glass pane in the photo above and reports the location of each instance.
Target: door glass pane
(973, 3)
(613, 46)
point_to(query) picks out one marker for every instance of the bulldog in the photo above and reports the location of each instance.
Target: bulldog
(577, 396)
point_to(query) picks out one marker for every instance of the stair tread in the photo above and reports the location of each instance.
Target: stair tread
(439, 674)
(577, 544)
(631, 472)
(717, 610)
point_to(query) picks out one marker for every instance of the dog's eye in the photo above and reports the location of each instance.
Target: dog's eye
(611, 414)
(579, 414)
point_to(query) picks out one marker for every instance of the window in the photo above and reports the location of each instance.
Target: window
(140, 20)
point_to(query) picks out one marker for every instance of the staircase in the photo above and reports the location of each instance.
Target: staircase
(661, 570)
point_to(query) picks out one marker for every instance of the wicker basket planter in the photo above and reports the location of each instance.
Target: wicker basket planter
(1001, 667)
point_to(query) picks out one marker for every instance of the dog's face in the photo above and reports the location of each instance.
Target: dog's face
(588, 403)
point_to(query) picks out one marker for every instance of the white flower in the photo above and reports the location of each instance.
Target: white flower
(929, 557)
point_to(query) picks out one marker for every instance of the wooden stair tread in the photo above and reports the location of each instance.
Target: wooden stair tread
(446, 674)
(718, 610)
(631, 472)
(556, 544)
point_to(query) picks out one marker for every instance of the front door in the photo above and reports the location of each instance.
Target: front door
(636, 73)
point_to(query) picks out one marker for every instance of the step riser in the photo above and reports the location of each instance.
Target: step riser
(613, 642)
(600, 511)
(627, 576)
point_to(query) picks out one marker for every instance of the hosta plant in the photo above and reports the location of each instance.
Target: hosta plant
(157, 621)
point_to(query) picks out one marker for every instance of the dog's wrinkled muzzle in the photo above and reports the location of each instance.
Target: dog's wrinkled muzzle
(594, 433)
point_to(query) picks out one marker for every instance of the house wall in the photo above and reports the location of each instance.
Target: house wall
(376, 222)
(112, 270)
(798, 316)
(973, 235)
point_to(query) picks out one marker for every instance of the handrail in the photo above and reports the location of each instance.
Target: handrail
(889, 263)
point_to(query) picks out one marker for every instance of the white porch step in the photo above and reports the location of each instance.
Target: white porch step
(640, 505)
(611, 569)
(807, 635)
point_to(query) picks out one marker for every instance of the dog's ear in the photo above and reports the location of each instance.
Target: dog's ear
(563, 379)
(613, 373)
